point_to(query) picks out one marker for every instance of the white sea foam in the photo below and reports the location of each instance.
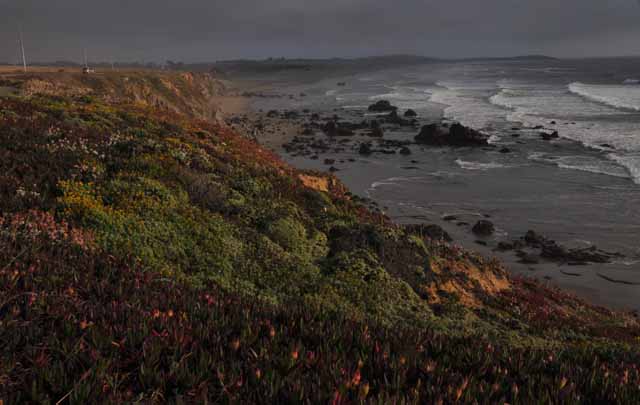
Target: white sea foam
(393, 181)
(405, 97)
(582, 163)
(479, 165)
(584, 119)
(619, 96)
(631, 162)
(465, 102)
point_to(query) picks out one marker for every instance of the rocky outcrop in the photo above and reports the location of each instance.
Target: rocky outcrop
(552, 251)
(454, 135)
(395, 119)
(484, 228)
(382, 106)
(365, 149)
(335, 128)
(549, 136)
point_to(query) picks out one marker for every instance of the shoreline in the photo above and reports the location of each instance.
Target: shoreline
(548, 272)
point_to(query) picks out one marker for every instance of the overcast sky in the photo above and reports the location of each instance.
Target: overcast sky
(206, 30)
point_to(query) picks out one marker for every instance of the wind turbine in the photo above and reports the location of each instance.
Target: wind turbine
(24, 59)
(86, 69)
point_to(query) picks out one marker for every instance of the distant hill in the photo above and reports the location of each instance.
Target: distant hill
(508, 58)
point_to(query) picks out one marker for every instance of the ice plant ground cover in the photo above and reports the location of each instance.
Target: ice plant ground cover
(146, 256)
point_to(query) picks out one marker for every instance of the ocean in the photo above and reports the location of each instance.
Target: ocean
(581, 190)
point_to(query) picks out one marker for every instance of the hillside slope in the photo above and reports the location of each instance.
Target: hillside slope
(146, 255)
(192, 94)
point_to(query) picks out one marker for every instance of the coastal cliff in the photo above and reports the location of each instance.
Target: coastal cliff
(193, 94)
(149, 253)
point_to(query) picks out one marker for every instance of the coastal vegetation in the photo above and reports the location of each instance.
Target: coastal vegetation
(150, 256)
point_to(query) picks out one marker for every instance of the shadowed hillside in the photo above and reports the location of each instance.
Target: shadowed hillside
(146, 255)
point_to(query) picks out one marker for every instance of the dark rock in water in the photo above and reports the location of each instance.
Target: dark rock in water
(455, 135)
(587, 255)
(450, 218)
(273, 114)
(329, 161)
(534, 239)
(504, 246)
(484, 228)
(547, 137)
(332, 128)
(505, 150)
(405, 151)
(365, 149)
(291, 115)
(319, 145)
(395, 119)
(481, 242)
(434, 232)
(386, 151)
(391, 143)
(382, 106)
(433, 134)
(553, 251)
(415, 162)
(606, 145)
(553, 123)
(528, 258)
(410, 113)
(515, 135)
(315, 117)
(333, 169)
(538, 127)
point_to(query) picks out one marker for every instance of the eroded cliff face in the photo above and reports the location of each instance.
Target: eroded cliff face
(193, 94)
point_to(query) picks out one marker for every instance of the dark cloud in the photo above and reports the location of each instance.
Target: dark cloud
(197, 30)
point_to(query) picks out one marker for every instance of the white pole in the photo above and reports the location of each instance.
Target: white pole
(24, 59)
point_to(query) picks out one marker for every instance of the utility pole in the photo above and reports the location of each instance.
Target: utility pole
(24, 59)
